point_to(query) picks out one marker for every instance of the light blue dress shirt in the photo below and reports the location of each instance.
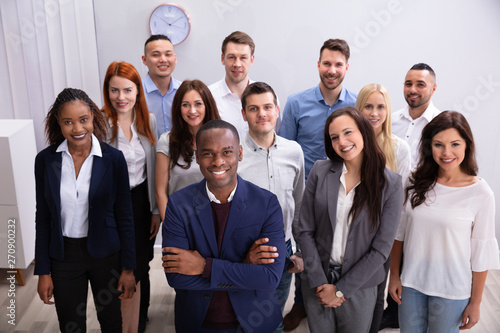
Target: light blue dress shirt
(160, 106)
(304, 119)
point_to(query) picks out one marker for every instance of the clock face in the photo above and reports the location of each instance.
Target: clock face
(171, 21)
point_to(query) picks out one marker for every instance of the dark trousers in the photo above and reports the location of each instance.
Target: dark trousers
(144, 246)
(71, 277)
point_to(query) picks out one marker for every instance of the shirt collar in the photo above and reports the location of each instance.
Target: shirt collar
(150, 86)
(320, 97)
(428, 114)
(253, 145)
(212, 197)
(225, 89)
(95, 150)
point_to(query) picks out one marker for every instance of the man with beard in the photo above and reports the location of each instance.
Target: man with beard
(304, 120)
(408, 123)
(305, 112)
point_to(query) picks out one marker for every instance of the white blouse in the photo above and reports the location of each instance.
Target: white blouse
(178, 177)
(448, 237)
(343, 220)
(134, 154)
(403, 158)
(75, 191)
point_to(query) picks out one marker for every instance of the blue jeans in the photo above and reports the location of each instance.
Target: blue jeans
(422, 313)
(284, 287)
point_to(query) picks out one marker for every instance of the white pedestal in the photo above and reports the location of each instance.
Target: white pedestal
(17, 193)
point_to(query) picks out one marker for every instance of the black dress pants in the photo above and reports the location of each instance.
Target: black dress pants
(71, 277)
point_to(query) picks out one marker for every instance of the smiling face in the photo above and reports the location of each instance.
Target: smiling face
(261, 113)
(122, 94)
(193, 110)
(237, 61)
(375, 110)
(332, 67)
(160, 58)
(419, 88)
(76, 122)
(218, 153)
(347, 140)
(448, 150)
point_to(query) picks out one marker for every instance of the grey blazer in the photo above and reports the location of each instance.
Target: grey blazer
(150, 151)
(366, 250)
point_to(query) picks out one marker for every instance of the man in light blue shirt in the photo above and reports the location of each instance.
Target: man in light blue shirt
(158, 84)
(305, 112)
(304, 119)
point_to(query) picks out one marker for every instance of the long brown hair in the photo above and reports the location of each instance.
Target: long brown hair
(181, 139)
(127, 71)
(68, 95)
(369, 191)
(423, 179)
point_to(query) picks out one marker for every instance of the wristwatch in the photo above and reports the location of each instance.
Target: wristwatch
(338, 293)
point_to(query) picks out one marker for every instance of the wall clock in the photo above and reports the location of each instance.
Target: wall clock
(171, 21)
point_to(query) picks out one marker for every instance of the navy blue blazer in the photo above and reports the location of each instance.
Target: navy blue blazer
(254, 213)
(111, 227)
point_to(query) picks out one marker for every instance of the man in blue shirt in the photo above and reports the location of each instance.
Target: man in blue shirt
(158, 84)
(304, 120)
(305, 112)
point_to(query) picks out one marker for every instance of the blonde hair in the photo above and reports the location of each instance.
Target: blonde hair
(384, 139)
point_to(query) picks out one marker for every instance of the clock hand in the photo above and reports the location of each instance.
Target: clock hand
(176, 20)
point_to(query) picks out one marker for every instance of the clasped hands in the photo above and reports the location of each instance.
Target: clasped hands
(190, 262)
(326, 296)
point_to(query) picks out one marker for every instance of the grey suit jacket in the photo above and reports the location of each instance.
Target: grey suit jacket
(150, 151)
(366, 249)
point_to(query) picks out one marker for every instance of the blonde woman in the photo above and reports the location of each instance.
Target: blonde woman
(375, 104)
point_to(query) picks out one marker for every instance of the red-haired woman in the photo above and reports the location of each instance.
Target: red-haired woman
(192, 107)
(132, 129)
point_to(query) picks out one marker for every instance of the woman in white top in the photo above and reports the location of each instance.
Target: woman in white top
(193, 106)
(348, 218)
(132, 129)
(375, 104)
(447, 233)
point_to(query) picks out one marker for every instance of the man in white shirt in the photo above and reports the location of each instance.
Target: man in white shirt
(408, 123)
(277, 165)
(159, 85)
(237, 57)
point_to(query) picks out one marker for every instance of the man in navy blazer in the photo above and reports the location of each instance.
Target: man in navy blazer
(208, 234)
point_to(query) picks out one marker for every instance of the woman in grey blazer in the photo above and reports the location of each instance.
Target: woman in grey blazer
(348, 220)
(132, 129)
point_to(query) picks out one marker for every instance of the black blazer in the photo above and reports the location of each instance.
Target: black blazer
(111, 227)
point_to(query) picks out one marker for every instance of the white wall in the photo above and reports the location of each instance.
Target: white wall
(459, 39)
(45, 46)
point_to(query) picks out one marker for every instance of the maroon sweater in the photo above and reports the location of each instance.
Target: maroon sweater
(220, 314)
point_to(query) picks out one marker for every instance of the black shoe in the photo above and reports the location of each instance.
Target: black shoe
(142, 324)
(388, 322)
